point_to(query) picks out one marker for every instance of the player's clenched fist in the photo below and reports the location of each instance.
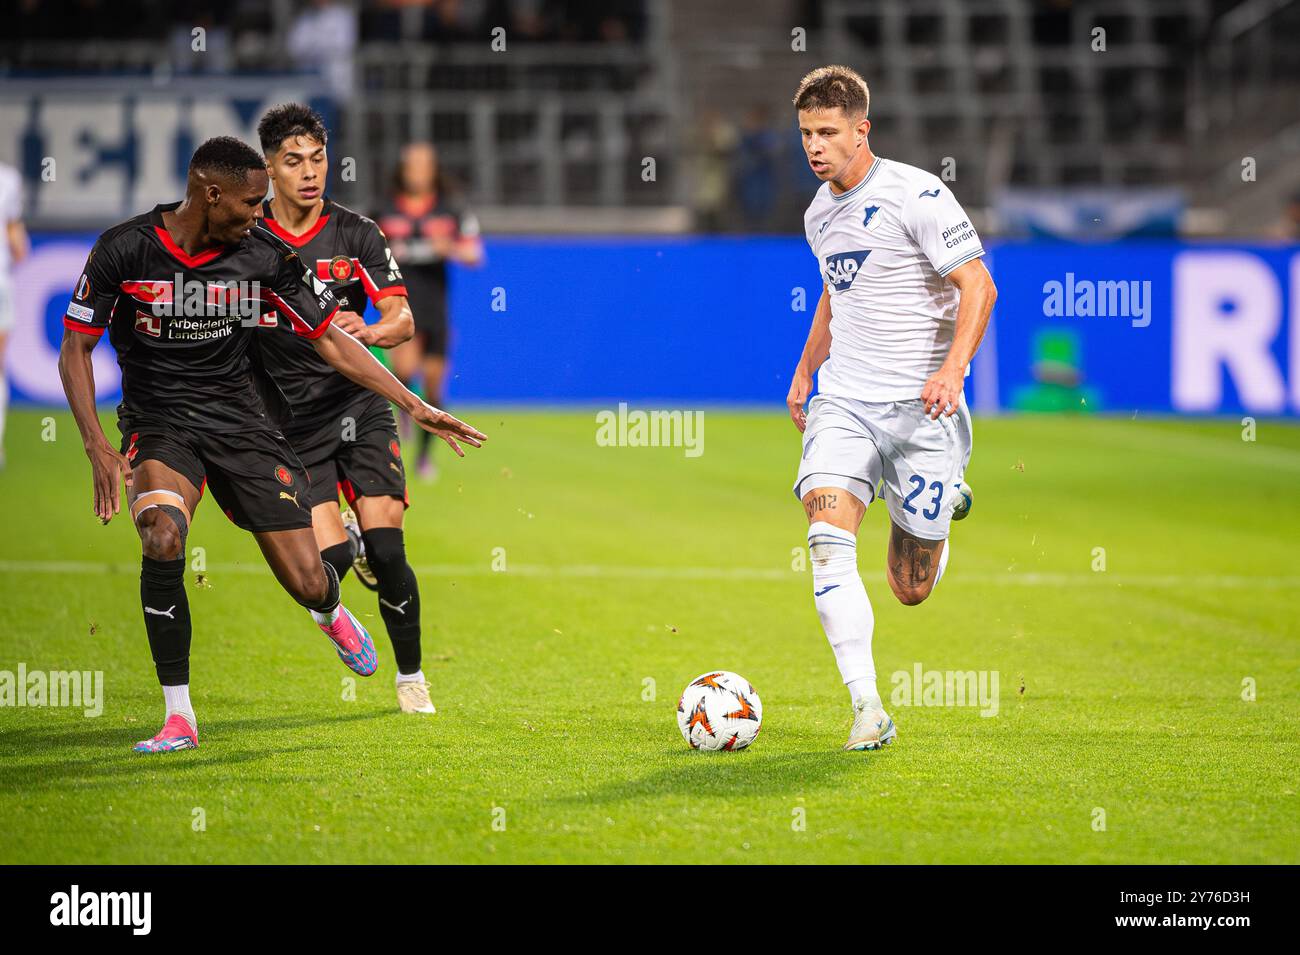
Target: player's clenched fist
(800, 388)
(447, 427)
(350, 322)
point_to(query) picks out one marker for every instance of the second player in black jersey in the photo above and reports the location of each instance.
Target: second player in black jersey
(181, 292)
(346, 436)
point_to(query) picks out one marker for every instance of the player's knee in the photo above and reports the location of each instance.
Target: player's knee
(909, 594)
(385, 549)
(312, 585)
(307, 584)
(160, 538)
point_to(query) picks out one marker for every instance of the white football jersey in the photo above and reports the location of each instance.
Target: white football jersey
(11, 210)
(884, 248)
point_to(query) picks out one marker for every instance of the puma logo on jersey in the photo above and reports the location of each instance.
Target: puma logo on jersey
(933, 193)
(842, 268)
(400, 608)
(286, 496)
(161, 613)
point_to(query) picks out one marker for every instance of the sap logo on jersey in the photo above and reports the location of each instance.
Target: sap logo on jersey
(842, 268)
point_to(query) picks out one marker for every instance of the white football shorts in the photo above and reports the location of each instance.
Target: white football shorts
(857, 445)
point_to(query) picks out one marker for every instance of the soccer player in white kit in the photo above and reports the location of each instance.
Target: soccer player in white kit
(13, 249)
(905, 302)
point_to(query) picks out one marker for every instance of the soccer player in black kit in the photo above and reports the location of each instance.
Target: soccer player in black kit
(344, 435)
(180, 291)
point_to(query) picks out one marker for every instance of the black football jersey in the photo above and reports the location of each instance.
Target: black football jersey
(412, 226)
(183, 325)
(349, 254)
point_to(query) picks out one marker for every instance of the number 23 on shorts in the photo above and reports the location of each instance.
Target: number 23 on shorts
(918, 487)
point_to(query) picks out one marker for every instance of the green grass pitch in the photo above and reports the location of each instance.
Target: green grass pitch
(624, 565)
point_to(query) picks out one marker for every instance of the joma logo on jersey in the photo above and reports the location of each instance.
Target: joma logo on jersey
(842, 268)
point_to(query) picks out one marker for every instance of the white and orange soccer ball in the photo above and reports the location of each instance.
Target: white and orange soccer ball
(719, 710)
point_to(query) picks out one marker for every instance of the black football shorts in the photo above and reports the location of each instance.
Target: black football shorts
(255, 476)
(354, 450)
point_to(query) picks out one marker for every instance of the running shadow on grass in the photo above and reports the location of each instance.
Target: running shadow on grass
(227, 739)
(188, 766)
(735, 774)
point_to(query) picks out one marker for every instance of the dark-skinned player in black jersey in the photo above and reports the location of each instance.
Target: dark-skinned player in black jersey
(181, 291)
(344, 435)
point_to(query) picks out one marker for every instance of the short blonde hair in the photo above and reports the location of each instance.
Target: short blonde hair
(828, 87)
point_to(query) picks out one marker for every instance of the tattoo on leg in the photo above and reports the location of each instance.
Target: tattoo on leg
(822, 502)
(911, 560)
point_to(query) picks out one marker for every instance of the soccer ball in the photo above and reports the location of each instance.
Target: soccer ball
(719, 710)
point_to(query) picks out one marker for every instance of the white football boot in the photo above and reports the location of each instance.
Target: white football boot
(360, 566)
(872, 728)
(963, 501)
(413, 697)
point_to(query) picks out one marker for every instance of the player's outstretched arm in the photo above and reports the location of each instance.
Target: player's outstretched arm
(978, 293)
(815, 352)
(107, 464)
(349, 357)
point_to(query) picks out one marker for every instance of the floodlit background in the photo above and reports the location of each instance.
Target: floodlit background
(1127, 572)
(638, 176)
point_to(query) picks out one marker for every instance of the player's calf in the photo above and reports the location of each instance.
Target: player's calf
(915, 565)
(162, 520)
(298, 567)
(399, 605)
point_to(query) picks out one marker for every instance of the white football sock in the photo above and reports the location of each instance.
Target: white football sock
(843, 606)
(416, 677)
(943, 563)
(177, 699)
(325, 619)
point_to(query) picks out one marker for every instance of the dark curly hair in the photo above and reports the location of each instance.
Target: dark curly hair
(227, 157)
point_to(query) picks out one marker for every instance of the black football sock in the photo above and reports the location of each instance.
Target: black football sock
(166, 618)
(339, 556)
(399, 594)
(331, 600)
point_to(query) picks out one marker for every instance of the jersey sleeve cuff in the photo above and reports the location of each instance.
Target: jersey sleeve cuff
(962, 260)
(379, 293)
(319, 330)
(76, 326)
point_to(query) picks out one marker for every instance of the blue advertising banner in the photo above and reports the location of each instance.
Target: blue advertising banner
(1123, 327)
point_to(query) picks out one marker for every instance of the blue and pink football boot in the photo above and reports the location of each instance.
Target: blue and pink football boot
(176, 733)
(352, 642)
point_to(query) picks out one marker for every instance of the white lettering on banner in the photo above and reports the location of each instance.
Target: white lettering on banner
(1227, 314)
(1294, 354)
(83, 136)
(99, 178)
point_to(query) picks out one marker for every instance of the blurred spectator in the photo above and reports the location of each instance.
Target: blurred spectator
(214, 53)
(14, 246)
(1289, 227)
(427, 227)
(757, 164)
(716, 152)
(324, 38)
